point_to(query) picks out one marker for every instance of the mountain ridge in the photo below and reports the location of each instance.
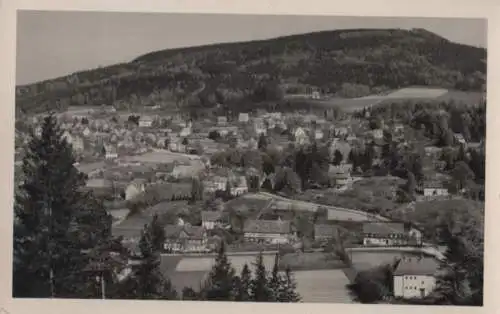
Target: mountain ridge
(349, 63)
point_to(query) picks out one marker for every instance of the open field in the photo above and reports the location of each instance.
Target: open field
(323, 286)
(401, 95)
(313, 285)
(310, 261)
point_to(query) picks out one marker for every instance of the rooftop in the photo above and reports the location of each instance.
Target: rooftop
(418, 266)
(383, 228)
(267, 226)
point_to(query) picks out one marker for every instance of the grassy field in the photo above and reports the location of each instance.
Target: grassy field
(401, 95)
(313, 285)
(323, 286)
(310, 261)
(249, 204)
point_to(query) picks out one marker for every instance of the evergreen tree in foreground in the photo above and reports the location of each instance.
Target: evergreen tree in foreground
(148, 282)
(260, 291)
(220, 285)
(244, 284)
(288, 288)
(52, 224)
(275, 282)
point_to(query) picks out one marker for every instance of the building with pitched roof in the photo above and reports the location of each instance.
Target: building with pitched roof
(414, 277)
(324, 232)
(384, 234)
(268, 231)
(212, 219)
(185, 238)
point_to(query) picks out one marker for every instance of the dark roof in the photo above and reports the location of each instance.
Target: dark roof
(193, 232)
(383, 228)
(417, 266)
(210, 215)
(267, 226)
(323, 230)
(433, 185)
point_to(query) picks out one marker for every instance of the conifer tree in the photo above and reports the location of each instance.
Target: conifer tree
(275, 281)
(53, 223)
(244, 284)
(288, 288)
(148, 282)
(221, 278)
(260, 291)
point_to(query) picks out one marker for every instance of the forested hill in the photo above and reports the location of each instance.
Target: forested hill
(346, 63)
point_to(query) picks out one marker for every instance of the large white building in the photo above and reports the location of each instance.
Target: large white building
(415, 277)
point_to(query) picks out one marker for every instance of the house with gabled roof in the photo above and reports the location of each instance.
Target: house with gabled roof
(145, 122)
(324, 232)
(185, 238)
(415, 277)
(269, 231)
(384, 234)
(212, 219)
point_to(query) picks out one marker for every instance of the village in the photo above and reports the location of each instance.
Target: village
(206, 180)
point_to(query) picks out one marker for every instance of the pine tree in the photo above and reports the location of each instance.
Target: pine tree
(148, 282)
(244, 284)
(288, 288)
(49, 211)
(221, 278)
(260, 291)
(275, 281)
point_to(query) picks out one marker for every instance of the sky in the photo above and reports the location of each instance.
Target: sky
(56, 43)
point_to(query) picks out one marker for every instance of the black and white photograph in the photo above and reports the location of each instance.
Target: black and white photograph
(249, 158)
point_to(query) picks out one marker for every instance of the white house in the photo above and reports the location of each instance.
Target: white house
(318, 134)
(300, 136)
(415, 277)
(215, 183)
(185, 132)
(415, 236)
(434, 189)
(268, 231)
(221, 120)
(243, 117)
(211, 219)
(145, 122)
(239, 186)
(134, 189)
(111, 152)
(378, 134)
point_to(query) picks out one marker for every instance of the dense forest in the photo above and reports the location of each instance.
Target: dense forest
(343, 63)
